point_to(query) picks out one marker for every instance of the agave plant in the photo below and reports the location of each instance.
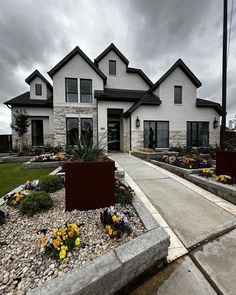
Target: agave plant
(86, 150)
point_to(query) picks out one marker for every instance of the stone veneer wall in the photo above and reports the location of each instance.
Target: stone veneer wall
(60, 115)
(48, 139)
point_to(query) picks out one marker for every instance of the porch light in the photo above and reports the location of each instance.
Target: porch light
(215, 123)
(137, 122)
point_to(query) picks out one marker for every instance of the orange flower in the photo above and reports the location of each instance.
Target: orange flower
(71, 233)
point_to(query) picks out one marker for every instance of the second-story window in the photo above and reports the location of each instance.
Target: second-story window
(85, 90)
(38, 89)
(112, 67)
(71, 90)
(178, 95)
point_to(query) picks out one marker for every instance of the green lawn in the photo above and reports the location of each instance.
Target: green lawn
(13, 175)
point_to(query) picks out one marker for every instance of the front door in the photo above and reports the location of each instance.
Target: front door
(37, 132)
(113, 135)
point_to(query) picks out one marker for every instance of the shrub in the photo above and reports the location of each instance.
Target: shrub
(50, 183)
(2, 217)
(35, 202)
(123, 194)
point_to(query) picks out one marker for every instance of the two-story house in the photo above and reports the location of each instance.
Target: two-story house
(117, 103)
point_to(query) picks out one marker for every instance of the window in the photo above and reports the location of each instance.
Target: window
(87, 128)
(38, 89)
(112, 67)
(85, 90)
(37, 132)
(178, 95)
(197, 134)
(72, 134)
(156, 134)
(71, 90)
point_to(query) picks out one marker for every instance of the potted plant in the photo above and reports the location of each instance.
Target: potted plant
(90, 177)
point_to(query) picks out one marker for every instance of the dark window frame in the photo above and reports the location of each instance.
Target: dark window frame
(110, 71)
(38, 91)
(155, 134)
(71, 92)
(178, 100)
(191, 141)
(67, 137)
(91, 93)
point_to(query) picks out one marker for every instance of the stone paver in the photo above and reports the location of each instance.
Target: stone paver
(218, 259)
(192, 217)
(180, 277)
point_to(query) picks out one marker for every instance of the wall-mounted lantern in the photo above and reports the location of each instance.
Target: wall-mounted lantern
(137, 122)
(215, 123)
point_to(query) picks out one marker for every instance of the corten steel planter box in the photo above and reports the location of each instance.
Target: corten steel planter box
(89, 185)
(226, 163)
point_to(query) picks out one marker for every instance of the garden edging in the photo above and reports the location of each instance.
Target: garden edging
(34, 165)
(112, 271)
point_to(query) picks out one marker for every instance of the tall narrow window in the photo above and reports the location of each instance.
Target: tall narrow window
(85, 90)
(71, 90)
(156, 134)
(87, 128)
(72, 133)
(38, 89)
(197, 134)
(112, 67)
(37, 132)
(178, 95)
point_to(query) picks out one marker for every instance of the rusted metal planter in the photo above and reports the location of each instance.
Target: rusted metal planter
(226, 163)
(89, 185)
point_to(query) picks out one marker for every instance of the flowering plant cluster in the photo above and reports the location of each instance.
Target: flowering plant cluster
(123, 192)
(206, 172)
(185, 162)
(60, 241)
(225, 179)
(27, 188)
(115, 223)
(50, 157)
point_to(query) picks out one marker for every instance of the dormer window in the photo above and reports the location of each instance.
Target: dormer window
(178, 95)
(112, 67)
(38, 89)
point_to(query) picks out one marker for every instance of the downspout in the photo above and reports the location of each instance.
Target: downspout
(130, 139)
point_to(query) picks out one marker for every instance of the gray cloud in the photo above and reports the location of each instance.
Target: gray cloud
(152, 34)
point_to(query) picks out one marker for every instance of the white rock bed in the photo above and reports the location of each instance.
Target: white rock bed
(22, 265)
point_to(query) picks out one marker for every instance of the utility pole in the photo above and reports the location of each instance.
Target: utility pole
(224, 77)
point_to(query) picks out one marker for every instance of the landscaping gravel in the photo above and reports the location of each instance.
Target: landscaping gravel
(24, 267)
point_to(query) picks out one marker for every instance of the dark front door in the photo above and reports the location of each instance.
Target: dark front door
(113, 135)
(37, 132)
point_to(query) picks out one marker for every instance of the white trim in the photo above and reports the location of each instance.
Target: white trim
(89, 116)
(72, 116)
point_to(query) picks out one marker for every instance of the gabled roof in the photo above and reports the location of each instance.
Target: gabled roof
(35, 74)
(201, 103)
(141, 74)
(24, 100)
(107, 50)
(69, 56)
(179, 63)
(147, 99)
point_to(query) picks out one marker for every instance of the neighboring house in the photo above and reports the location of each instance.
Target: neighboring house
(118, 103)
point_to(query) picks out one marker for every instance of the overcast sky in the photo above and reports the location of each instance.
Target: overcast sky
(152, 34)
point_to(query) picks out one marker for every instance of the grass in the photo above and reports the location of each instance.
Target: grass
(13, 175)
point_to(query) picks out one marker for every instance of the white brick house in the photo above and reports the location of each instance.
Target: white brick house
(117, 102)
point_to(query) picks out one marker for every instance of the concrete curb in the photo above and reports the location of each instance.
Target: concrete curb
(112, 271)
(34, 165)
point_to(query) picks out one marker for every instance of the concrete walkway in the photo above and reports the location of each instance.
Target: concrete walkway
(199, 223)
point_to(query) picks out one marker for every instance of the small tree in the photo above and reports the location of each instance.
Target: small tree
(20, 123)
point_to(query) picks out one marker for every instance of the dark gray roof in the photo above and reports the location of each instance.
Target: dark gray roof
(201, 103)
(24, 100)
(184, 68)
(141, 74)
(111, 94)
(35, 74)
(107, 50)
(69, 56)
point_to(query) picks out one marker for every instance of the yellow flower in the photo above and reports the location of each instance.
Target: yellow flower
(109, 229)
(115, 218)
(56, 243)
(54, 232)
(73, 226)
(62, 254)
(65, 237)
(62, 231)
(64, 248)
(77, 242)
(43, 241)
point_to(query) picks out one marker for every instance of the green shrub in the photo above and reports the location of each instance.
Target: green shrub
(50, 183)
(35, 202)
(2, 220)
(123, 194)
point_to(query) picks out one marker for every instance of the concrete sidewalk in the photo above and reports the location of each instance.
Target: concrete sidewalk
(195, 216)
